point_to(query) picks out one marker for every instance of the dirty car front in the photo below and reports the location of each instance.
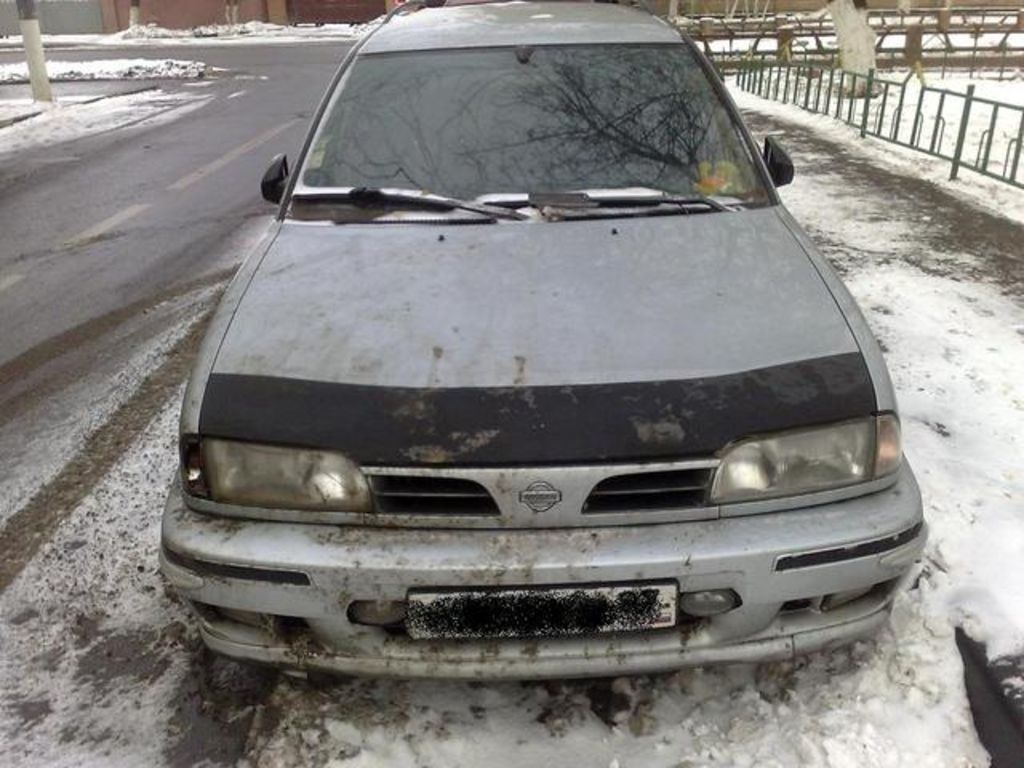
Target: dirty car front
(559, 416)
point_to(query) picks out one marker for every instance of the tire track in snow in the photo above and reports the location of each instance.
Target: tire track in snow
(15, 371)
(31, 526)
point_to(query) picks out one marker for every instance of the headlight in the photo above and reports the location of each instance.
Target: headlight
(272, 476)
(810, 460)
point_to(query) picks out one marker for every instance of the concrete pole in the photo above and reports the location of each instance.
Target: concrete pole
(33, 42)
(133, 13)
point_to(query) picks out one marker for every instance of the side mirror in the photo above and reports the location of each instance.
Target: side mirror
(780, 167)
(275, 179)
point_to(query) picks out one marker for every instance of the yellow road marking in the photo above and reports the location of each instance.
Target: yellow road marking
(107, 224)
(10, 281)
(186, 181)
(237, 152)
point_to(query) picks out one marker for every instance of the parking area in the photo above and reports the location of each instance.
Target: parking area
(101, 664)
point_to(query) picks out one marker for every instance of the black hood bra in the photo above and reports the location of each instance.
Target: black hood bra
(380, 425)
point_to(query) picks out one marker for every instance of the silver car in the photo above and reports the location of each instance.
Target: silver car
(534, 376)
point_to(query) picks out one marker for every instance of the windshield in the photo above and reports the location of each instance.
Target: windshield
(474, 122)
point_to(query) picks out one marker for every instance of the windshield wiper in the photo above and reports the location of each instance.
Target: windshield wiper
(580, 202)
(375, 196)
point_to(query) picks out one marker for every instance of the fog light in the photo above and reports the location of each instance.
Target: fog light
(244, 617)
(709, 602)
(837, 599)
(377, 613)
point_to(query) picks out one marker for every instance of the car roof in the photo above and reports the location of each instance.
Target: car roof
(492, 24)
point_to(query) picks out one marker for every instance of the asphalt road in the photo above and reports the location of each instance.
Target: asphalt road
(91, 226)
(110, 242)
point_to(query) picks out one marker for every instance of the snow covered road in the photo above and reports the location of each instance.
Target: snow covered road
(101, 667)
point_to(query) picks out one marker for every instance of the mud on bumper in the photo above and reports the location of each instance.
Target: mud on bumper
(280, 593)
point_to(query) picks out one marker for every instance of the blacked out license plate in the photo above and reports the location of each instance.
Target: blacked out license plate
(540, 612)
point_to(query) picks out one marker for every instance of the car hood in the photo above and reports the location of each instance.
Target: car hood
(444, 328)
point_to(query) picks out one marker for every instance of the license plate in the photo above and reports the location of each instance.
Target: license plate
(550, 612)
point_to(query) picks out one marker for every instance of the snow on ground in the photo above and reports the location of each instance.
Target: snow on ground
(997, 196)
(251, 30)
(929, 114)
(96, 662)
(110, 69)
(826, 44)
(866, 706)
(970, 342)
(1007, 86)
(11, 109)
(60, 123)
(991, 129)
(955, 350)
(84, 677)
(40, 441)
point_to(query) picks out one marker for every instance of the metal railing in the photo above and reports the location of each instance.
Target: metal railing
(1000, 61)
(959, 39)
(969, 131)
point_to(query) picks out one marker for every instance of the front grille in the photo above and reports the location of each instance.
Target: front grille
(650, 491)
(425, 495)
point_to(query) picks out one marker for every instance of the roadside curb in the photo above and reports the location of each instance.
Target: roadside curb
(996, 696)
(185, 42)
(59, 80)
(8, 122)
(131, 92)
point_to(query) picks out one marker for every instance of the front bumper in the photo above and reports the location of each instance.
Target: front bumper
(302, 578)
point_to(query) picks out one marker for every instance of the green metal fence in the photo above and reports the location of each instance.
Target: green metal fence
(969, 131)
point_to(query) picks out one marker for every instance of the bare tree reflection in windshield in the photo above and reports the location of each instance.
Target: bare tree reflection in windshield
(618, 113)
(473, 122)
